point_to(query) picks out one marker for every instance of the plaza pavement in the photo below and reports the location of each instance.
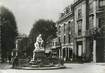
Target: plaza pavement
(71, 68)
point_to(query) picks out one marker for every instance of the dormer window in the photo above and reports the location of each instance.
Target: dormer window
(67, 10)
(62, 14)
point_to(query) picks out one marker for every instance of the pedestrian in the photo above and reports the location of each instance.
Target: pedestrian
(15, 62)
(9, 58)
(62, 61)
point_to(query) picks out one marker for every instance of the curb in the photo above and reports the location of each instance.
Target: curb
(41, 68)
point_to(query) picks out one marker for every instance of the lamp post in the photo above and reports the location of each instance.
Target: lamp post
(0, 37)
(60, 48)
(60, 58)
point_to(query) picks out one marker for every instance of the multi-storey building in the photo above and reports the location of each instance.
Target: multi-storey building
(81, 32)
(96, 25)
(79, 10)
(89, 20)
(65, 34)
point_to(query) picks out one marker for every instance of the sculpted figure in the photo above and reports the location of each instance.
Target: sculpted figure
(38, 45)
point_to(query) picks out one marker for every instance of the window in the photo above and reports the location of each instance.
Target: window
(79, 27)
(64, 39)
(79, 13)
(55, 43)
(59, 40)
(101, 3)
(91, 22)
(59, 30)
(90, 1)
(90, 7)
(101, 22)
(69, 38)
(0, 17)
(69, 23)
(64, 28)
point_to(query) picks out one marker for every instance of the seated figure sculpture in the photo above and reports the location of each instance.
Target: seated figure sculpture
(39, 52)
(38, 46)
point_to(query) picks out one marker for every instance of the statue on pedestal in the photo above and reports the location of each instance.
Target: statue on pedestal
(40, 59)
(39, 51)
(38, 45)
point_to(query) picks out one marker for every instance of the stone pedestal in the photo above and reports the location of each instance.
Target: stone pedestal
(40, 58)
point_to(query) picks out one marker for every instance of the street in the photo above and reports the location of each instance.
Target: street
(71, 68)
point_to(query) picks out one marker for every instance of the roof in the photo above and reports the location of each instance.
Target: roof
(76, 3)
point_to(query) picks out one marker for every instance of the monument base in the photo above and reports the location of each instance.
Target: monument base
(40, 59)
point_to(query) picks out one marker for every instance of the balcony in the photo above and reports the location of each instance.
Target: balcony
(88, 33)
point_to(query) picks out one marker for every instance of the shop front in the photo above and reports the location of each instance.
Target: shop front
(67, 53)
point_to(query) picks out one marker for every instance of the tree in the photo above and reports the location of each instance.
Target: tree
(8, 32)
(45, 27)
(23, 47)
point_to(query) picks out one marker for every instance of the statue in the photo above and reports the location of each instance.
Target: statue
(39, 56)
(38, 45)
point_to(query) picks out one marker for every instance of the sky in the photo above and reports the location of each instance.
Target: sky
(27, 12)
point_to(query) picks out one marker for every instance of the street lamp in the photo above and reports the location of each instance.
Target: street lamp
(61, 58)
(0, 37)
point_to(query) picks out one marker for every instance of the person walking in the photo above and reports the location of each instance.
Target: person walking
(15, 62)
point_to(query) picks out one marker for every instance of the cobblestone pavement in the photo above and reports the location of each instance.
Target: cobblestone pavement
(71, 68)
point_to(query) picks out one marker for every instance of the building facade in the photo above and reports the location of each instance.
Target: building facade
(89, 20)
(65, 26)
(53, 47)
(81, 32)
(96, 25)
(79, 10)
